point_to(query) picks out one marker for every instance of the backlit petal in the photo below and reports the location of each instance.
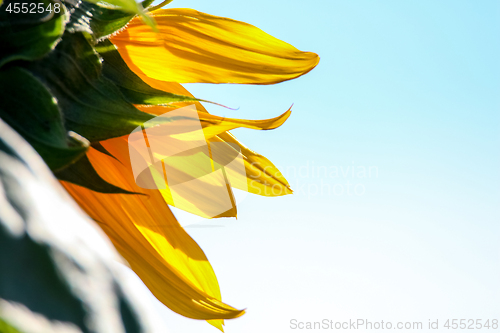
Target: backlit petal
(196, 47)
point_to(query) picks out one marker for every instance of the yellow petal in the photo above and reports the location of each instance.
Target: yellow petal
(181, 167)
(196, 47)
(263, 178)
(148, 236)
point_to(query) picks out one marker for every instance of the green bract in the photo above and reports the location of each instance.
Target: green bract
(127, 6)
(33, 112)
(90, 103)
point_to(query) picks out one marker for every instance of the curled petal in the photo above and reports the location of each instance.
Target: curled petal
(213, 125)
(196, 47)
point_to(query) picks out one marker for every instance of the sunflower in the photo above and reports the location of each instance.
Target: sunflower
(109, 71)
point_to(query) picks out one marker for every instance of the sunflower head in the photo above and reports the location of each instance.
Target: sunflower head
(95, 88)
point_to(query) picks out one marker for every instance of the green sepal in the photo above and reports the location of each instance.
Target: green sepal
(96, 20)
(27, 106)
(83, 173)
(99, 147)
(129, 6)
(100, 22)
(29, 36)
(91, 104)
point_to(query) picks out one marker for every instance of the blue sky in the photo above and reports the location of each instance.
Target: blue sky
(410, 88)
